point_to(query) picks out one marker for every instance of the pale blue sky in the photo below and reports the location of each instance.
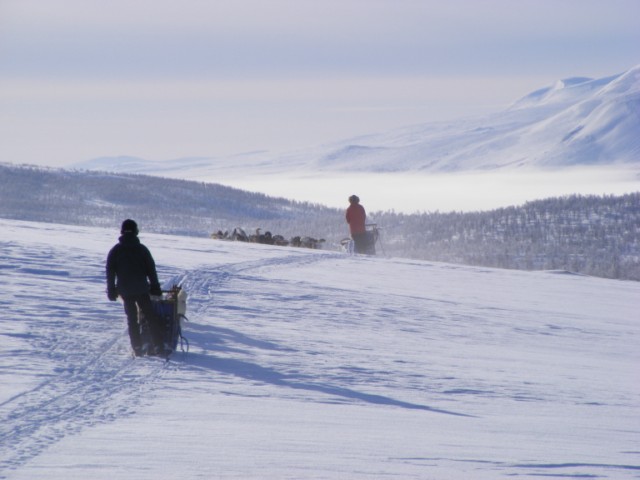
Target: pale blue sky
(165, 79)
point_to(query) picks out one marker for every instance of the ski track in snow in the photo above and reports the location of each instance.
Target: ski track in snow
(258, 329)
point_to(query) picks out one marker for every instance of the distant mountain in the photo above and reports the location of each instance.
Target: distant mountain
(576, 121)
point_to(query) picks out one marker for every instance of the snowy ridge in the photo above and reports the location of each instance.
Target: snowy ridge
(564, 92)
(311, 364)
(576, 121)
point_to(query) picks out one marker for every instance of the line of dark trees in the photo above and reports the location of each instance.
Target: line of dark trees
(593, 235)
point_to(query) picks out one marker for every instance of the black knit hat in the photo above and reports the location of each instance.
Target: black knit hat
(129, 226)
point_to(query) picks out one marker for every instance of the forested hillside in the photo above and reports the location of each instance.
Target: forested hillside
(585, 234)
(158, 204)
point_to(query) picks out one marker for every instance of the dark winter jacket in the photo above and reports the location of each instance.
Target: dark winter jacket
(129, 265)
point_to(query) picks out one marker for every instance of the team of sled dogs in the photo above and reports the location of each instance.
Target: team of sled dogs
(238, 234)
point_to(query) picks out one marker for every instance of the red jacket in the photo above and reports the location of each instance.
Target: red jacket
(356, 218)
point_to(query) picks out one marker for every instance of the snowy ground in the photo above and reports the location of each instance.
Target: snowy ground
(313, 365)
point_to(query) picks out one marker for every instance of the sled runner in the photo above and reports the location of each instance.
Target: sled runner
(170, 308)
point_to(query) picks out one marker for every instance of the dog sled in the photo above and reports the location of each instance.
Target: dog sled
(170, 308)
(371, 237)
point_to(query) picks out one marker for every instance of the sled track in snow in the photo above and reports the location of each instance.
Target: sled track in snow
(217, 276)
(91, 384)
(109, 386)
(87, 375)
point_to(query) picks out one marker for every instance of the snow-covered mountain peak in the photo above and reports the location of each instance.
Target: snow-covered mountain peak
(627, 83)
(564, 92)
(576, 121)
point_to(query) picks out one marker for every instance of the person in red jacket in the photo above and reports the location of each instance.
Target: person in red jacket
(356, 218)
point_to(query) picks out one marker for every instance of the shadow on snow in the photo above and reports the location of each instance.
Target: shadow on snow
(227, 340)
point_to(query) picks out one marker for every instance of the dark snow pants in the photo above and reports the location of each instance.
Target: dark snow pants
(131, 304)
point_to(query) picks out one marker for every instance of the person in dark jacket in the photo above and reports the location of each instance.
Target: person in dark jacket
(131, 274)
(356, 217)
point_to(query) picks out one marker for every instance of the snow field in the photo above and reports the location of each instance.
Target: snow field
(311, 364)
